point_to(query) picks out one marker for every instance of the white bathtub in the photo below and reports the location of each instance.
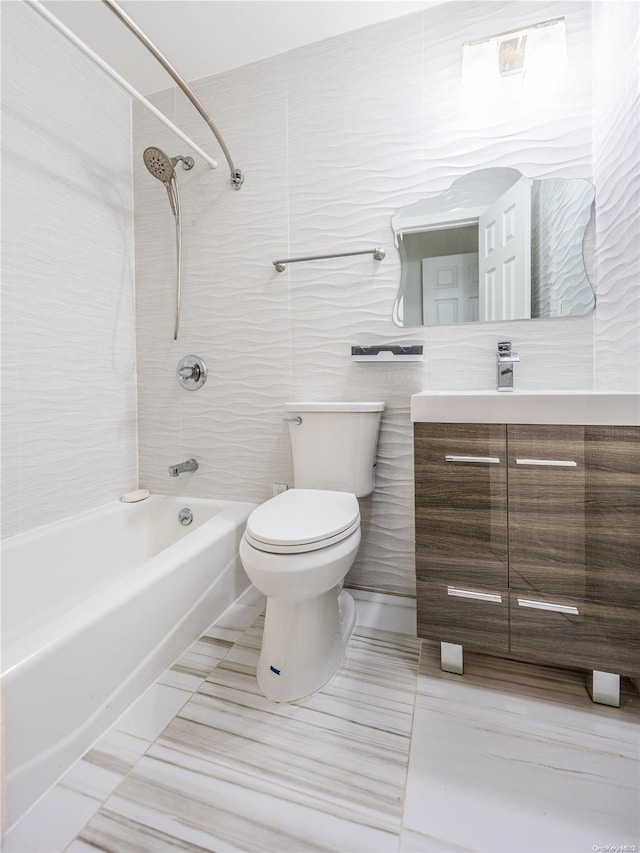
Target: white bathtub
(94, 609)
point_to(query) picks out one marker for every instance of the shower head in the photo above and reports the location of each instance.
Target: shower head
(158, 164)
(162, 168)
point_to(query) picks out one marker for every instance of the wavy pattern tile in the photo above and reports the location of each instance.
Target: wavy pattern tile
(235, 307)
(333, 138)
(617, 175)
(560, 214)
(69, 408)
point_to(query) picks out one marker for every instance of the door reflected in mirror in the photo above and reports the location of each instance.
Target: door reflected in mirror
(495, 246)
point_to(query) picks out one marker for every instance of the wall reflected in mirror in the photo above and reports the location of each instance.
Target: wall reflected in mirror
(495, 246)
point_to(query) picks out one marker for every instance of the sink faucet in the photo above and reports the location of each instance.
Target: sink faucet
(181, 467)
(505, 360)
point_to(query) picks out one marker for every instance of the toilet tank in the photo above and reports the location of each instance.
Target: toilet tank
(334, 446)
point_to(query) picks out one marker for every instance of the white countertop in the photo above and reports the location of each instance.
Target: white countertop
(615, 408)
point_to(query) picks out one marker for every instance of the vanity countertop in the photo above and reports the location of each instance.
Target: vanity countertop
(614, 408)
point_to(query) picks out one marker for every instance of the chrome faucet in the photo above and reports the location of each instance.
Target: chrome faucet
(181, 467)
(505, 360)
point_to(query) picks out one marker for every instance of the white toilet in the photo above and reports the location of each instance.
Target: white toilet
(298, 546)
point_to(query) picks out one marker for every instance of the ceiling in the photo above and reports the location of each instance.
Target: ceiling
(203, 37)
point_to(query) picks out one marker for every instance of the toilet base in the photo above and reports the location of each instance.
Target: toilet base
(304, 643)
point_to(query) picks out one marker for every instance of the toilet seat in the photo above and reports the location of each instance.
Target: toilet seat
(302, 520)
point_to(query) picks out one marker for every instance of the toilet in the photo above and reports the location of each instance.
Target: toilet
(298, 546)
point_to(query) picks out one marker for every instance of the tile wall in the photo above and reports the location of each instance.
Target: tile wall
(616, 108)
(68, 332)
(333, 137)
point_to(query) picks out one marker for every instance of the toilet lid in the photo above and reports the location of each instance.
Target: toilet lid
(303, 516)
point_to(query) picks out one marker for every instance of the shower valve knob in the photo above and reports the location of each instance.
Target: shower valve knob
(191, 372)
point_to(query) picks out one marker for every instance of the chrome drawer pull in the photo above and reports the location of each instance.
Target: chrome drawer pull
(547, 605)
(492, 459)
(469, 593)
(560, 463)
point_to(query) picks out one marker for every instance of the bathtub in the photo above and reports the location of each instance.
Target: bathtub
(94, 609)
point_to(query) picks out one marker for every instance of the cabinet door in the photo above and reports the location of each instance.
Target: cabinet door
(476, 618)
(461, 534)
(460, 493)
(581, 633)
(574, 512)
(547, 509)
(612, 536)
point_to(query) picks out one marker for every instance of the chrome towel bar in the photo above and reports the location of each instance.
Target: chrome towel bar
(378, 253)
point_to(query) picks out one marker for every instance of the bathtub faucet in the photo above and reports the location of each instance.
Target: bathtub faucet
(181, 467)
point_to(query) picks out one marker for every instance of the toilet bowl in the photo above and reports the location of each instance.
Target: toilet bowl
(298, 546)
(297, 549)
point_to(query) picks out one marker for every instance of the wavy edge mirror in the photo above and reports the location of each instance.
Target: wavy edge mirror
(495, 246)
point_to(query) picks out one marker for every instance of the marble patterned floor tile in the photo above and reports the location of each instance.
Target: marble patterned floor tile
(533, 768)
(194, 665)
(537, 700)
(174, 801)
(233, 622)
(360, 722)
(52, 823)
(90, 779)
(117, 751)
(246, 649)
(416, 842)
(386, 612)
(148, 716)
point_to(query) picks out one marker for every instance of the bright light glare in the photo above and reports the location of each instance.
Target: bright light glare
(480, 68)
(545, 57)
(546, 54)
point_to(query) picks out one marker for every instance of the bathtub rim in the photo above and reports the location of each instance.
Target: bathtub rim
(21, 651)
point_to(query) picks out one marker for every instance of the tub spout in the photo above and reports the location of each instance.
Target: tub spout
(181, 467)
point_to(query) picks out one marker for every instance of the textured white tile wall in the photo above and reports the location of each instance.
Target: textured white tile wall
(68, 397)
(333, 138)
(235, 311)
(616, 103)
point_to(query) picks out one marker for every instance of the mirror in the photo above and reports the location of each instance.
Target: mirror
(494, 246)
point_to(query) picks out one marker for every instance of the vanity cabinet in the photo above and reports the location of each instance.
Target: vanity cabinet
(528, 541)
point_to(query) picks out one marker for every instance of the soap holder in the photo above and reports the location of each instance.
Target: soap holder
(387, 352)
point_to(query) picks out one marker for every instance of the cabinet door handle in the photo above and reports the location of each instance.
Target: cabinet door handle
(491, 459)
(548, 605)
(469, 593)
(560, 463)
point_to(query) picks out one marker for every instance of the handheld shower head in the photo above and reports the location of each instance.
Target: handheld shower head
(158, 164)
(162, 167)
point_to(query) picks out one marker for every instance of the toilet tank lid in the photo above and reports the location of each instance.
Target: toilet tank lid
(308, 406)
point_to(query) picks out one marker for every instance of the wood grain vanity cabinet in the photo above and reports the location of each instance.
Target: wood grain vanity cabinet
(528, 541)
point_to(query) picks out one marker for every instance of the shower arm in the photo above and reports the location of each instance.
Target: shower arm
(237, 178)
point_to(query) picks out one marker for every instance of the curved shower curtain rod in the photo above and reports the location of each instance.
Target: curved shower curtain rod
(237, 178)
(41, 10)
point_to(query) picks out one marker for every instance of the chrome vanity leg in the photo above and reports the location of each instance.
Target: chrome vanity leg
(604, 688)
(451, 658)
